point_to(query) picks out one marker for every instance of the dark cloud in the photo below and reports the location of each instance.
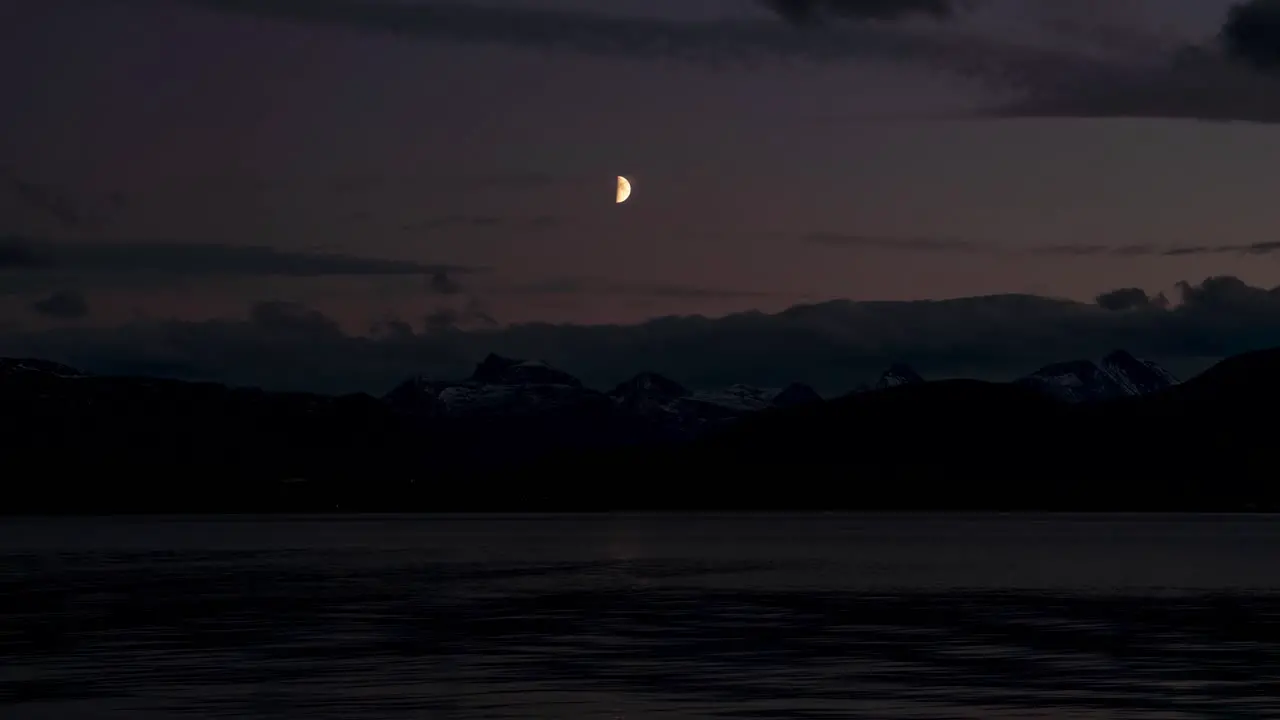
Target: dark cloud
(442, 318)
(363, 183)
(62, 305)
(1251, 34)
(1206, 88)
(187, 259)
(392, 327)
(1259, 248)
(471, 315)
(598, 287)
(881, 242)
(832, 345)
(443, 283)
(356, 183)
(1131, 250)
(16, 252)
(1216, 82)
(544, 222)
(1130, 299)
(957, 245)
(1115, 28)
(587, 32)
(1086, 250)
(290, 319)
(512, 181)
(52, 206)
(613, 35)
(50, 200)
(481, 222)
(1182, 251)
(1228, 293)
(802, 11)
(1171, 81)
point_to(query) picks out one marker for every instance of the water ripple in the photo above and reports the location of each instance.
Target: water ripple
(377, 633)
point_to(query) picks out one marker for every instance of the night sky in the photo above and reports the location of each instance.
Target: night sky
(331, 194)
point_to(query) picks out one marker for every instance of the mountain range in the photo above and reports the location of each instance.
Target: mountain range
(519, 434)
(505, 387)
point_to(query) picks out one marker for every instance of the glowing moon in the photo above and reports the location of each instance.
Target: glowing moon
(624, 189)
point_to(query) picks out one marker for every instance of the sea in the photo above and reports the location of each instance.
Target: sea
(611, 617)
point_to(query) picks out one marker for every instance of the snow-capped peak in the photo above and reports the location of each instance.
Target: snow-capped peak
(898, 374)
(35, 366)
(678, 408)
(651, 386)
(1120, 374)
(499, 386)
(1138, 377)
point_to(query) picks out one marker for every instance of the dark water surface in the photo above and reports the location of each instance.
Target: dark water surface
(813, 616)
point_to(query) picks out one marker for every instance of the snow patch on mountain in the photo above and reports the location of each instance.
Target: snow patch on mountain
(897, 375)
(669, 403)
(498, 387)
(15, 366)
(507, 387)
(1137, 377)
(1119, 375)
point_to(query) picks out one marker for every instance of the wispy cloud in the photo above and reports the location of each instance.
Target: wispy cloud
(1197, 87)
(364, 182)
(62, 305)
(54, 205)
(957, 245)
(599, 287)
(50, 200)
(1259, 248)
(203, 259)
(471, 315)
(17, 253)
(443, 283)
(802, 11)
(884, 242)
(484, 222)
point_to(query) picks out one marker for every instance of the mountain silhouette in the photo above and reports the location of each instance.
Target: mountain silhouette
(520, 435)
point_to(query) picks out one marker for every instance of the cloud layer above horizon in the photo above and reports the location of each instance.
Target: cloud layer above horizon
(833, 345)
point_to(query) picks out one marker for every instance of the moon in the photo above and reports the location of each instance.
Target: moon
(624, 189)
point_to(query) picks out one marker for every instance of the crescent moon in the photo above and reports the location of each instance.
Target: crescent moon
(624, 189)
